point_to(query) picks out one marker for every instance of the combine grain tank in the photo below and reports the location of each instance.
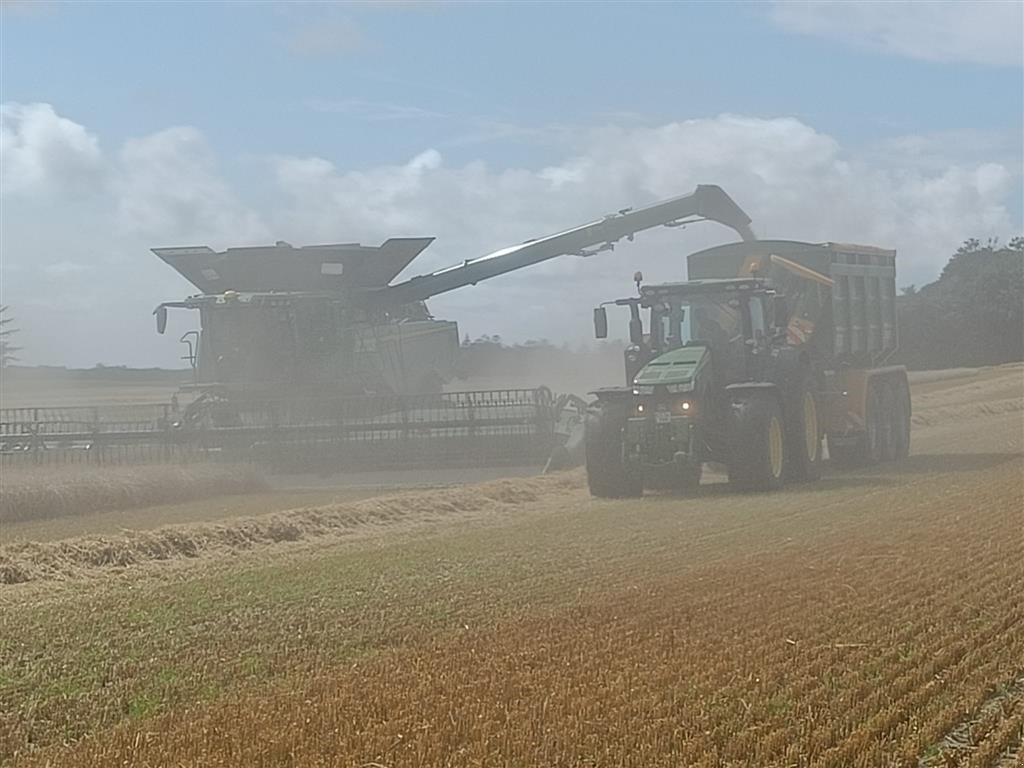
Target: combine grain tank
(279, 321)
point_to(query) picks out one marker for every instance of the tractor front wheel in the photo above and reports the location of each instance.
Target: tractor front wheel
(608, 477)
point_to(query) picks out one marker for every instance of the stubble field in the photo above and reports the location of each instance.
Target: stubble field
(871, 619)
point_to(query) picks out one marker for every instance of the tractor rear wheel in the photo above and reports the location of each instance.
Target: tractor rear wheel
(757, 443)
(608, 477)
(803, 437)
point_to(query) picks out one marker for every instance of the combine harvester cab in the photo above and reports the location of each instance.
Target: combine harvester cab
(771, 349)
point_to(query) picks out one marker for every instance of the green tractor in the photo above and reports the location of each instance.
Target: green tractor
(712, 381)
(729, 371)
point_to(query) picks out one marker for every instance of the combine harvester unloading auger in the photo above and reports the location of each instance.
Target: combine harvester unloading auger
(310, 356)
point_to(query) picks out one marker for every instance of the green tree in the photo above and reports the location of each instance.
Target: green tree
(973, 314)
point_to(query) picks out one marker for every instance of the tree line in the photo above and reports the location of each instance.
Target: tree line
(972, 315)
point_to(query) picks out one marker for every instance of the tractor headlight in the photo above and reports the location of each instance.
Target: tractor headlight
(684, 407)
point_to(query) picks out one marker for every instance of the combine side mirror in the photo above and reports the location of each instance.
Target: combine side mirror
(781, 311)
(161, 318)
(600, 323)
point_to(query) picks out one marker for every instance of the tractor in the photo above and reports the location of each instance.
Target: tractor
(774, 350)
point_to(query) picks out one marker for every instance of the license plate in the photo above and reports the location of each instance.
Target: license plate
(662, 417)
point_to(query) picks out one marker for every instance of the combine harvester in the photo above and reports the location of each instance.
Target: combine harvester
(770, 349)
(311, 357)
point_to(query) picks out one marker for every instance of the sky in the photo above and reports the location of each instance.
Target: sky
(130, 126)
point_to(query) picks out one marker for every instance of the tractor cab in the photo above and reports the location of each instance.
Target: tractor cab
(734, 321)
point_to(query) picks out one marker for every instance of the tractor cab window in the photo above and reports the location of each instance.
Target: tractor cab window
(718, 321)
(668, 324)
(676, 322)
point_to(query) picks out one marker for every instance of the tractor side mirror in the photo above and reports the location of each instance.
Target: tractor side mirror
(780, 310)
(161, 318)
(600, 323)
(636, 331)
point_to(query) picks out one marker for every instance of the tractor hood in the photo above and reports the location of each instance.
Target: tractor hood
(678, 366)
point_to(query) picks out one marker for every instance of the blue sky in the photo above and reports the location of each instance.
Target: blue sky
(267, 78)
(183, 122)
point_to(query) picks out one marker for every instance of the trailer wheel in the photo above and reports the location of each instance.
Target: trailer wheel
(803, 436)
(887, 428)
(877, 420)
(886, 435)
(901, 420)
(607, 474)
(893, 421)
(757, 443)
(870, 445)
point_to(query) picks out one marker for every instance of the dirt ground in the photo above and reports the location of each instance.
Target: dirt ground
(872, 618)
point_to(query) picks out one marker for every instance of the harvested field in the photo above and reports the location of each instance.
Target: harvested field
(811, 654)
(38, 494)
(870, 619)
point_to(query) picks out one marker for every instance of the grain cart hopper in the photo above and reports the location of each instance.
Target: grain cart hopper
(771, 347)
(314, 351)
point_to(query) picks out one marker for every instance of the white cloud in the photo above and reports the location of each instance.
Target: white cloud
(167, 188)
(922, 195)
(990, 33)
(43, 153)
(794, 181)
(78, 222)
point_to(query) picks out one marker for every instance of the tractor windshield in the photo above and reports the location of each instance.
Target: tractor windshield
(715, 319)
